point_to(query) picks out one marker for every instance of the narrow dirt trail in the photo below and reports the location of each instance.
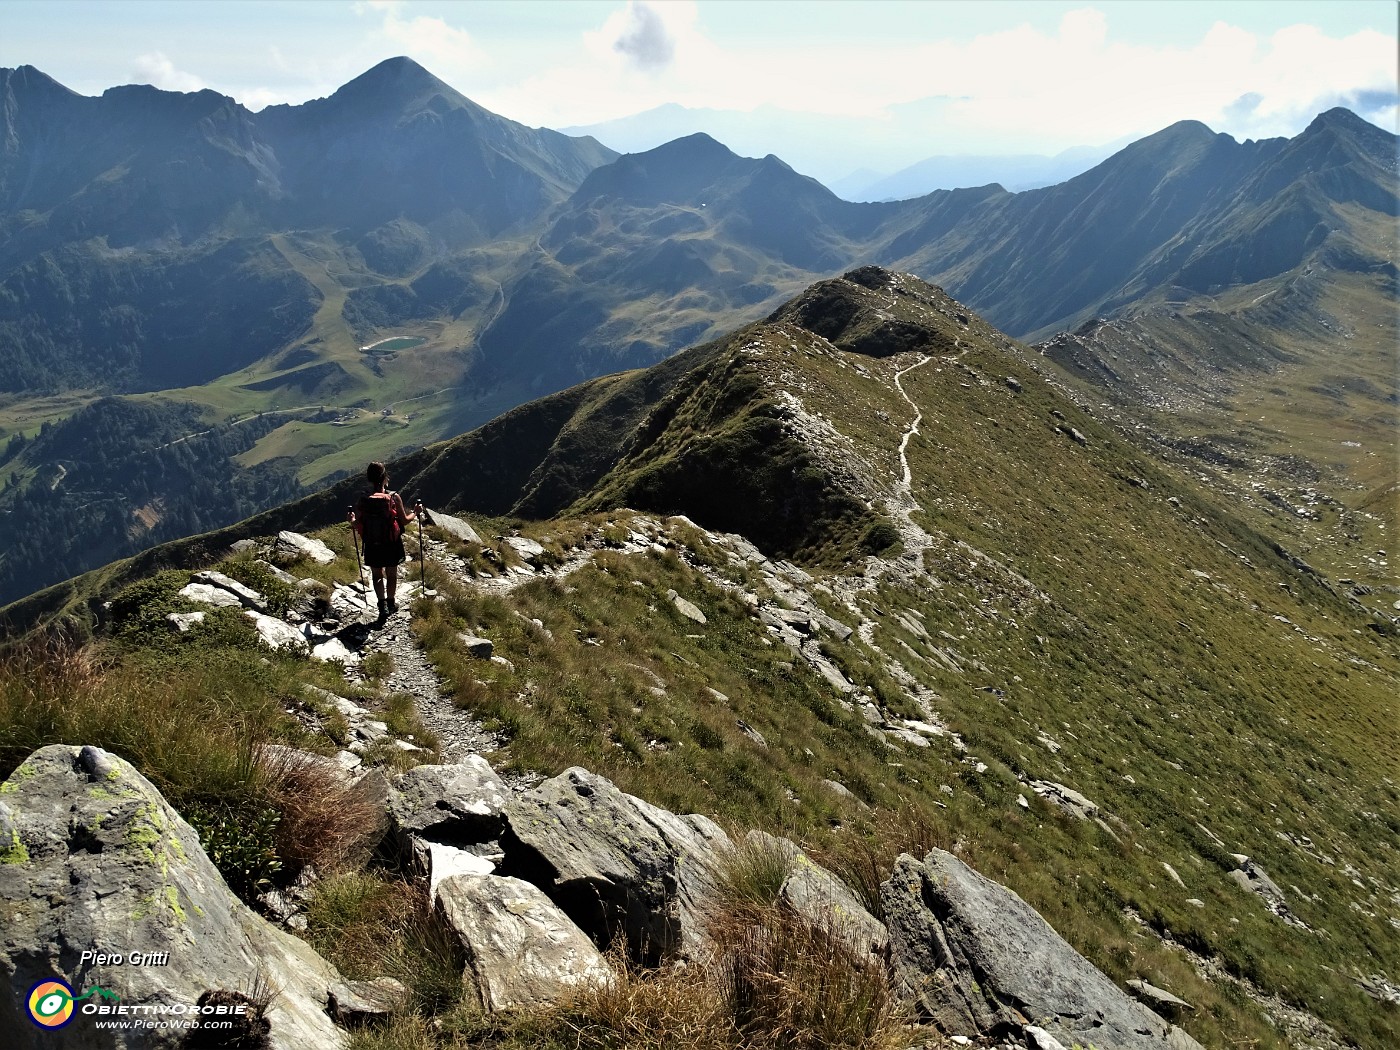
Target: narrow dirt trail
(907, 481)
(458, 733)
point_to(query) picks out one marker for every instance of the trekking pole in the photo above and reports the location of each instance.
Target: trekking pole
(355, 539)
(422, 565)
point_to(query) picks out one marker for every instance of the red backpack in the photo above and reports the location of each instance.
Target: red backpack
(379, 521)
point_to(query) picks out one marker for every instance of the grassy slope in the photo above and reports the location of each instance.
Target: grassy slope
(1191, 681)
(1312, 420)
(1157, 664)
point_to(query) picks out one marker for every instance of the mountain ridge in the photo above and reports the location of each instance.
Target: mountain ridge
(976, 549)
(523, 267)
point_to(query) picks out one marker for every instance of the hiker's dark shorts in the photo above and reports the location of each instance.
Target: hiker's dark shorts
(382, 555)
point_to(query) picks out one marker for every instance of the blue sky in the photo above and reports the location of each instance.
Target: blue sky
(884, 82)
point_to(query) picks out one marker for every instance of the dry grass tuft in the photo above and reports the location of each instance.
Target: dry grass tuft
(328, 822)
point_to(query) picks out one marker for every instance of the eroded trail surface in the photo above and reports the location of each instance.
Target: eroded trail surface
(458, 733)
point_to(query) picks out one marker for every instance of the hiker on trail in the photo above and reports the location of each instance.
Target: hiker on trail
(380, 518)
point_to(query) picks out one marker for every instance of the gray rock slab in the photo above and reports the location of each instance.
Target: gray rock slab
(183, 622)
(832, 626)
(458, 804)
(686, 608)
(840, 790)
(1158, 998)
(1252, 877)
(334, 649)
(823, 900)
(908, 736)
(1069, 800)
(826, 668)
(294, 545)
(98, 860)
(247, 597)
(973, 956)
(441, 861)
(454, 527)
(354, 1004)
(208, 594)
(525, 547)
(616, 864)
(281, 575)
(752, 733)
(277, 634)
(522, 951)
(480, 648)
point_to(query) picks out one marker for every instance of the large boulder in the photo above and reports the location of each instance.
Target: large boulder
(453, 526)
(616, 864)
(208, 594)
(975, 957)
(103, 885)
(293, 546)
(460, 803)
(277, 634)
(521, 950)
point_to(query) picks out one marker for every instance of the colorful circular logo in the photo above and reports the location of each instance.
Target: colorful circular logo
(51, 1004)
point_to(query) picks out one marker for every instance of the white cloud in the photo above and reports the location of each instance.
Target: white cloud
(1021, 89)
(443, 49)
(156, 69)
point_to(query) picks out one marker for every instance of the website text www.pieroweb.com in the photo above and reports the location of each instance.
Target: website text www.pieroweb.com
(56, 1003)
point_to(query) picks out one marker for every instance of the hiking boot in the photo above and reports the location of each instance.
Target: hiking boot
(383, 609)
(393, 606)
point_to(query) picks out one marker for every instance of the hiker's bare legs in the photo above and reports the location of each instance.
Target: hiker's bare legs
(378, 575)
(393, 595)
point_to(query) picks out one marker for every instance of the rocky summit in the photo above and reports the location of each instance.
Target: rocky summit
(854, 679)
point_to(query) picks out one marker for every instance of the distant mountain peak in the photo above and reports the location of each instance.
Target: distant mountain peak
(396, 81)
(697, 146)
(1339, 118)
(35, 80)
(399, 68)
(1181, 133)
(1336, 115)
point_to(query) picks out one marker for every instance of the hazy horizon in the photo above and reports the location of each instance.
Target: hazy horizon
(878, 86)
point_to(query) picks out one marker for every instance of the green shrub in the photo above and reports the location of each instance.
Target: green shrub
(138, 612)
(879, 537)
(241, 840)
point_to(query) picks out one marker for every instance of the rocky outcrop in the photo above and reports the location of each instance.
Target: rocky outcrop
(1252, 877)
(616, 864)
(97, 871)
(453, 526)
(104, 885)
(247, 597)
(975, 958)
(293, 547)
(447, 820)
(462, 802)
(521, 950)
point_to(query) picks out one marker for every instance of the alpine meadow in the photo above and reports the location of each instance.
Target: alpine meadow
(962, 620)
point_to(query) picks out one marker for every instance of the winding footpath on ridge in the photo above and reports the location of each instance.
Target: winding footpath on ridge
(459, 734)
